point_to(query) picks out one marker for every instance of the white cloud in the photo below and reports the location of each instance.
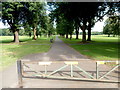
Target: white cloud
(3, 26)
(99, 25)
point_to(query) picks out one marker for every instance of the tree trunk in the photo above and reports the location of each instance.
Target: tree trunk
(16, 37)
(34, 33)
(29, 34)
(70, 36)
(84, 36)
(83, 30)
(66, 35)
(89, 35)
(63, 36)
(89, 31)
(77, 33)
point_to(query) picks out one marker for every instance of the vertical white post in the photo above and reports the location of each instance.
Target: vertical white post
(45, 69)
(97, 71)
(71, 70)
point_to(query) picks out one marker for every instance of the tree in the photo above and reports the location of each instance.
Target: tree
(83, 13)
(112, 26)
(51, 29)
(35, 14)
(28, 29)
(65, 27)
(12, 13)
(5, 32)
(91, 23)
(70, 12)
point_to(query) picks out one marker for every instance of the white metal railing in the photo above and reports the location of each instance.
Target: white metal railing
(65, 64)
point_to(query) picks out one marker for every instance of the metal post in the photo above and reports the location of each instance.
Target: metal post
(97, 71)
(45, 69)
(19, 68)
(71, 70)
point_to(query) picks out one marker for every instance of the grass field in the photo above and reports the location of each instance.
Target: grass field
(101, 47)
(10, 52)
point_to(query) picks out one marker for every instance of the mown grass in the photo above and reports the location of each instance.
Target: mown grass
(10, 52)
(100, 48)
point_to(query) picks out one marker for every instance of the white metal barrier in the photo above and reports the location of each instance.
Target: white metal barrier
(44, 73)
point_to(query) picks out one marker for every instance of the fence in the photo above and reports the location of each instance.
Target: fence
(67, 70)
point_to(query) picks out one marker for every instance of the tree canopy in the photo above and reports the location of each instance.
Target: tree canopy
(69, 16)
(112, 26)
(27, 15)
(82, 14)
(12, 13)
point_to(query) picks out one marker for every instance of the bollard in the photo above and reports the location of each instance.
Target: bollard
(19, 69)
(97, 72)
(71, 70)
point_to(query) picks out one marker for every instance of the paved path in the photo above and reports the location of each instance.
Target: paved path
(9, 77)
(58, 52)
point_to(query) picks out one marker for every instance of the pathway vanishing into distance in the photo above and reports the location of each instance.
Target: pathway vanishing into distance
(59, 52)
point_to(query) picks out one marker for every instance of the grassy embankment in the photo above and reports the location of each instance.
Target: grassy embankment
(10, 52)
(101, 47)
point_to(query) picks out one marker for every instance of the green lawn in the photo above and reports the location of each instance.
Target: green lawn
(11, 52)
(101, 47)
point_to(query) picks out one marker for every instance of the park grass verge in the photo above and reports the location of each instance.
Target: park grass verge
(10, 52)
(100, 48)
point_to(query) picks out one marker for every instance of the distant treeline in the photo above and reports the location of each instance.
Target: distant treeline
(93, 33)
(7, 32)
(22, 32)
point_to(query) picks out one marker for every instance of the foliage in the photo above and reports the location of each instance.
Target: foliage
(5, 32)
(112, 26)
(35, 16)
(64, 27)
(28, 15)
(80, 14)
(13, 13)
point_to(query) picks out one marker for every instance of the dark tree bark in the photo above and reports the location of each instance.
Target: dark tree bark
(30, 34)
(89, 31)
(49, 34)
(84, 36)
(37, 35)
(70, 36)
(66, 35)
(83, 30)
(77, 33)
(14, 37)
(108, 35)
(63, 36)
